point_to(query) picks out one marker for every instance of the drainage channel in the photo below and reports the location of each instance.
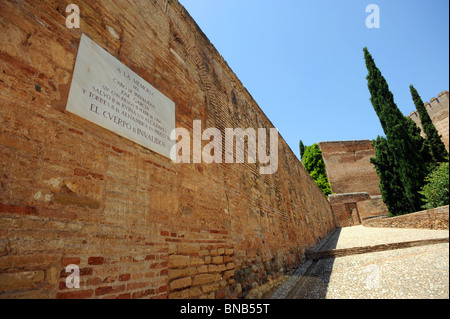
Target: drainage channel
(296, 281)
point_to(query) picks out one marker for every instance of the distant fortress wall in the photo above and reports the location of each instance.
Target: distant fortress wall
(354, 181)
(348, 166)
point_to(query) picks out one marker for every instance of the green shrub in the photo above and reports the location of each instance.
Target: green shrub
(436, 190)
(313, 162)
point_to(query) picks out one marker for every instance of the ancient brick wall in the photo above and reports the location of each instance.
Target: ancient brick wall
(438, 109)
(348, 166)
(354, 181)
(136, 224)
(436, 218)
(345, 208)
(371, 208)
(354, 208)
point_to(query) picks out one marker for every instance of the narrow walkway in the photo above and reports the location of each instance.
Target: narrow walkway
(418, 272)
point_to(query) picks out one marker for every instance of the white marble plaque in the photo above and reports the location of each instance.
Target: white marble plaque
(106, 92)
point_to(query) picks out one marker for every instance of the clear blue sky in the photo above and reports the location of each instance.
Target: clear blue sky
(303, 63)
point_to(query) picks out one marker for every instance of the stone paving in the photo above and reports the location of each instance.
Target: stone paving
(410, 273)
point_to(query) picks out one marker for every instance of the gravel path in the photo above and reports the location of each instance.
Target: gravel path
(411, 273)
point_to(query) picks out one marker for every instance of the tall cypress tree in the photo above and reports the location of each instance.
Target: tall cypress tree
(390, 185)
(409, 164)
(419, 144)
(302, 149)
(433, 141)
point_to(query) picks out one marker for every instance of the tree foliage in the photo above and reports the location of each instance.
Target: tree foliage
(434, 146)
(315, 166)
(398, 149)
(390, 185)
(302, 148)
(436, 191)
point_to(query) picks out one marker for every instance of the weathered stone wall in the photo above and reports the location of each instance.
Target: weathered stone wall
(354, 208)
(438, 109)
(135, 223)
(354, 181)
(345, 208)
(436, 218)
(348, 166)
(371, 208)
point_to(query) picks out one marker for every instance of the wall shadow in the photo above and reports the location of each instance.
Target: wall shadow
(314, 282)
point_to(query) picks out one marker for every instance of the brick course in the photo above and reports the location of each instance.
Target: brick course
(436, 218)
(348, 167)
